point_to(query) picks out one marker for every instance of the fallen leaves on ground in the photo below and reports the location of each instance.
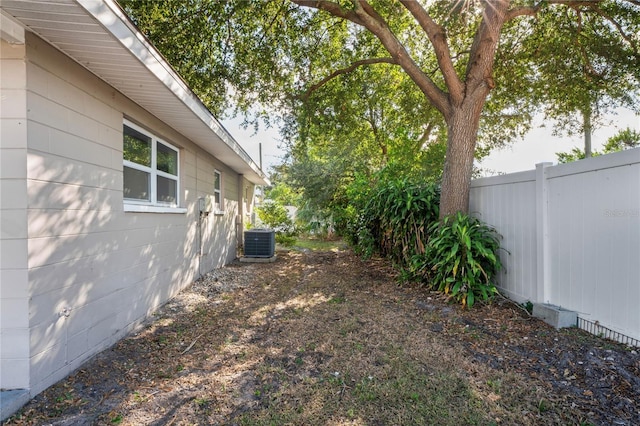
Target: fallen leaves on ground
(328, 338)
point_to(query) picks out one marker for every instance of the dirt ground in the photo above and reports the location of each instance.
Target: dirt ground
(327, 338)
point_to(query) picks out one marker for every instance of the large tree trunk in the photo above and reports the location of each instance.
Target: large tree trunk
(463, 99)
(462, 133)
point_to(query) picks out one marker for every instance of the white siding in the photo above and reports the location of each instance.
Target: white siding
(584, 219)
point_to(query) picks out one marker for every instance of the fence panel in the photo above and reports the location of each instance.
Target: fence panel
(508, 203)
(594, 221)
(573, 233)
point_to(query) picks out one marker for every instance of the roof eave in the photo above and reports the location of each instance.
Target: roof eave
(114, 19)
(154, 84)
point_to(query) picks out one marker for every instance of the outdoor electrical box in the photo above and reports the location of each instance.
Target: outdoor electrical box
(259, 243)
(205, 205)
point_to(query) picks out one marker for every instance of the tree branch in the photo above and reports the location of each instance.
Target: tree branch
(425, 135)
(481, 59)
(438, 38)
(587, 66)
(342, 71)
(366, 16)
(575, 4)
(618, 26)
(333, 8)
(371, 119)
(273, 20)
(522, 11)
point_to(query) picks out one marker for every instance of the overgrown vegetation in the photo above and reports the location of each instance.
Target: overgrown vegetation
(275, 216)
(398, 219)
(395, 218)
(461, 259)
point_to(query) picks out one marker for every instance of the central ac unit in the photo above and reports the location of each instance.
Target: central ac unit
(259, 243)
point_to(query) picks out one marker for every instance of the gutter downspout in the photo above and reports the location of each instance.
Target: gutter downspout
(240, 213)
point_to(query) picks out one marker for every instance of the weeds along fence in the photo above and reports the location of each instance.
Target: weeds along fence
(571, 237)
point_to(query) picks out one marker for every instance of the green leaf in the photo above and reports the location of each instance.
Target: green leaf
(470, 299)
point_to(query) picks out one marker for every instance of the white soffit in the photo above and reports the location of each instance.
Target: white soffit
(98, 35)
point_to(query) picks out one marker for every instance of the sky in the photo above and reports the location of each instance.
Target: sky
(541, 146)
(537, 147)
(250, 142)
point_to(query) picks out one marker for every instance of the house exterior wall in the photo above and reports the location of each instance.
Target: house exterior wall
(573, 233)
(14, 295)
(248, 199)
(94, 271)
(246, 193)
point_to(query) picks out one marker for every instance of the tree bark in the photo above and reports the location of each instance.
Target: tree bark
(462, 130)
(464, 115)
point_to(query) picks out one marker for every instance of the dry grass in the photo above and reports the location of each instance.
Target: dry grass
(323, 338)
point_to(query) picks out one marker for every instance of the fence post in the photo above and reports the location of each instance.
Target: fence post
(543, 271)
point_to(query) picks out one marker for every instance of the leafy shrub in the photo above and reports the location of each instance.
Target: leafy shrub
(398, 219)
(276, 217)
(461, 259)
(286, 240)
(395, 219)
(313, 221)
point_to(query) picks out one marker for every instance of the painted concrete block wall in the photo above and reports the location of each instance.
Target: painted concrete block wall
(74, 193)
(508, 203)
(14, 296)
(95, 271)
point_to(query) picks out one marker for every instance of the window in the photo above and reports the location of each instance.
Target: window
(150, 169)
(217, 192)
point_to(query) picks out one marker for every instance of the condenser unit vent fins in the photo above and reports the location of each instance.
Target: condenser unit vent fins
(259, 243)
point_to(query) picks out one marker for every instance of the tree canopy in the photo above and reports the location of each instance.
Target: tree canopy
(360, 83)
(595, 73)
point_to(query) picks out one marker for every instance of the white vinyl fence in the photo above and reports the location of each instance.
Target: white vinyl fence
(571, 237)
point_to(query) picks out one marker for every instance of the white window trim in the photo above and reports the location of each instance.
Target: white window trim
(153, 206)
(139, 208)
(218, 210)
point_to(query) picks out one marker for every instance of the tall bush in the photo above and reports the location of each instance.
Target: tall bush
(276, 217)
(395, 219)
(398, 219)
(461, 259)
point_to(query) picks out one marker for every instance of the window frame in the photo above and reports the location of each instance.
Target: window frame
(152, 205)
(218, 208)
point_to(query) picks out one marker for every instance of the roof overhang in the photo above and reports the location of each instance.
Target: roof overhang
(99, 36)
